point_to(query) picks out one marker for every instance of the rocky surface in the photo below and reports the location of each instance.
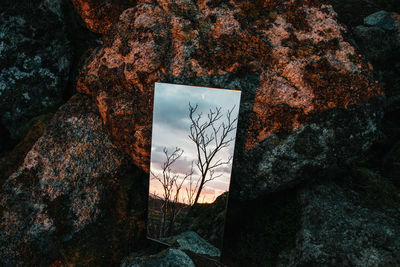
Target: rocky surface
(382, 19)
(167, 258)
(309, 102)
(353, 12)
(304, 85)
(186, 249)
(208, 220)
(67, 179)
(100, 15)
(35, 57)
(193, 242)
(379, 39)
(257, 231)
(12, 160)
(354, 221)
(337, 231)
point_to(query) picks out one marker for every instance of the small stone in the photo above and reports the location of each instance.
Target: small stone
(192, 241)
(168, 258)
(381, 19)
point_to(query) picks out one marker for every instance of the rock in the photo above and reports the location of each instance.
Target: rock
(193, 242)
(391, 164)
(381, 19)
(186, 249)
(69, 180)
(100, 15)
(12, 160)
(257, 231)
(381, 46)
(375, 42)
(168, 258)
(208, 221)
(35, 57)
(337, 231)
(353, 12)
(301, 81)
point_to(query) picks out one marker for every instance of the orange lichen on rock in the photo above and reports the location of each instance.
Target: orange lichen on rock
(132, 59)
(304, 61)
(323, 75)
(99, 15)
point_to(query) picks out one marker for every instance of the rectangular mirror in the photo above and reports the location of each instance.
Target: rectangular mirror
(193, 140)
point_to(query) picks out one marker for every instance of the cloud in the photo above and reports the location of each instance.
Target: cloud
(172, 103)
(224, 169)
(180, 166)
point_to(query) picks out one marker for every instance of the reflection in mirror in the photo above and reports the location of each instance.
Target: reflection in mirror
(193, 139)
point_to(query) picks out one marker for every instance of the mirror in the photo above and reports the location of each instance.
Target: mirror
(193, 139)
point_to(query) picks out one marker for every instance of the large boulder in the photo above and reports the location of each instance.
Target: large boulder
(35, 58)
(308, 99)
(100, 15)
(71, 181)
(337, 229)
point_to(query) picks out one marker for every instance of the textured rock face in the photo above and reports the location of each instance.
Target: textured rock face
(194, 243)
(302, 81)
(379, 39)
(99, 15)
(171, 258)
(384, 20)
(10, 162)
(336, 231)
(186, 249)
(59, 188)
(35, 57)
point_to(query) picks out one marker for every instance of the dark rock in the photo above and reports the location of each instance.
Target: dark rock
(35, 57)
(380, 44)
(63, 186)
(391, 164)
(186, 249)
(31, 132)
(258, 230)
(382, 20)
(296, 68)
(168, 258)
(353, 12)
(307, 143)
(193, 242)
(208, 220)
(336, 230)
(285, 160)
(375, 41)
